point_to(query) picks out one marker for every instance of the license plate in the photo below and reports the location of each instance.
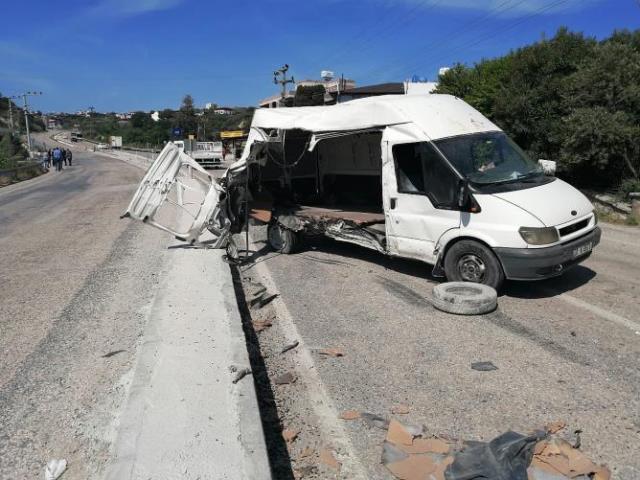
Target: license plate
(582, 249)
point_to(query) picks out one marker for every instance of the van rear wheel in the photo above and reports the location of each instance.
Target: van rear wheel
(281, 239)
(471, 261)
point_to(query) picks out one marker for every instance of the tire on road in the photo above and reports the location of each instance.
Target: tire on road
(465, 298)
(471, 261)
(282, 239)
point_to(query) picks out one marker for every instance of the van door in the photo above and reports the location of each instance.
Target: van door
(420, 199)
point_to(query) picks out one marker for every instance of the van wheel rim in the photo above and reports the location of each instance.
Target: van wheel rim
(471, 268)
(275, 237)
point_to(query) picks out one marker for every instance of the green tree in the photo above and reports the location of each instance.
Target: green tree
(309, 96)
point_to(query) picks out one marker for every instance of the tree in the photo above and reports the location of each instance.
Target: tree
(309, 96)
(186, 117)
(569, 98)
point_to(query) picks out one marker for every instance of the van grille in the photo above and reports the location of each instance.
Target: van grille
(574, 227)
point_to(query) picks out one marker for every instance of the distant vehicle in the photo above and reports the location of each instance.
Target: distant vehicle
(207, 154)
(76, 137)
(102, 146)
(115, 141)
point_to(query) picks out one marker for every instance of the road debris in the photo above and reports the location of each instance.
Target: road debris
(350, 415)
(375, 421)
(260, 325)
(409, 455)
(111, 354)
(240, 375)
(328, 458)
(332, 352)
(305, 471)
(285, 378)
(464, 298)
(483, 366)
(306, 452)
(54, 469)
(290, 346)
(290, 435)
(400, 409)
(262, 300)
(558, 457)
(555, 427)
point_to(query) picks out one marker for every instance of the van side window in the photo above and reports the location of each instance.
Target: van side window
(409, 169)
(420, 169)
(441, 181)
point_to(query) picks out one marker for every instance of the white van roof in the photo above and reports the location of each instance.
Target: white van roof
(439, 116)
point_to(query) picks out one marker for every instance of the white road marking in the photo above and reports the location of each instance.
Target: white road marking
(612, 317)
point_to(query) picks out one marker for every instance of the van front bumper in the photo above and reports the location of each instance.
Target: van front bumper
(547, 262)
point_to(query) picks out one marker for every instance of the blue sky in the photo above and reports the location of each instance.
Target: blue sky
(120, 55)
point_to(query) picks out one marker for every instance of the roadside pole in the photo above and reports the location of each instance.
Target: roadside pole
(10, 100)
(26, 115)
(26, 122)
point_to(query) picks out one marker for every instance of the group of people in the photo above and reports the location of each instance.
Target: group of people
(57, 157)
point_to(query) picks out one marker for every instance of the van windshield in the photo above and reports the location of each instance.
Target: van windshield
(488, 158)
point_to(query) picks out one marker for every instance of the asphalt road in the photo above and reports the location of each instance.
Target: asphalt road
(566, 349)
(76, 283)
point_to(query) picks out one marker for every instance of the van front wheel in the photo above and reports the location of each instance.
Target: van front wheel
(471, 261)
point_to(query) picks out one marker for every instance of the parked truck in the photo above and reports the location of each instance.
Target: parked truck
(421, 177)
(115, 141)
(207, 154)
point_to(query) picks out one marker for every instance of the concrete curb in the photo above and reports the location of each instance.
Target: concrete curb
(246, 399)
(184, 418)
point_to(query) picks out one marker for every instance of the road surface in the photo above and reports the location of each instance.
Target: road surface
(76, 285)
(566, 349)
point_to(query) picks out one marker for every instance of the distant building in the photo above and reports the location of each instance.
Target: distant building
(224, 111)
(155, 116)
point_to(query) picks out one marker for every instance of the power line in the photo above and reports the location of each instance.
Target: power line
(468, 26)
(368, 41)
(534, 14)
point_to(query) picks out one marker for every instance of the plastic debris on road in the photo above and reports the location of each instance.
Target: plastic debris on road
(285, 379)
(483, 366)
(54, 469)
(409, 454)
(332, 352)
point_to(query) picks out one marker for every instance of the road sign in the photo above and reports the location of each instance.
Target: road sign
(177, 132)
(232, 134)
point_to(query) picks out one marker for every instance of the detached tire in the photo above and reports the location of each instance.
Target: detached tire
(471, 261)
(281, 239)
(464, 298)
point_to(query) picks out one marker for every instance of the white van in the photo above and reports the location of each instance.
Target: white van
(421, 177)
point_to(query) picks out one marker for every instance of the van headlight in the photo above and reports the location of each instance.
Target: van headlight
(539, 236)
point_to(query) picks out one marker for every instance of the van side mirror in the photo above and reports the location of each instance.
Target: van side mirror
(548, 167)
(463, 194)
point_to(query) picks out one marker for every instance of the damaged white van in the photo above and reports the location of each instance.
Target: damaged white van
(421, 177)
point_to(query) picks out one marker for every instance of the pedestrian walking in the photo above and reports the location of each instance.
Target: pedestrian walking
(69, 156)
(57, 159)
(63, 152)
(49, 157)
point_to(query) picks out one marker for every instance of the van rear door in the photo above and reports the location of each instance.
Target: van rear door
(180, 197)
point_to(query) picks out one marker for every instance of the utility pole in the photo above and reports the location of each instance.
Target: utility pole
(26, 115)
(280, 77)
(10, 100)
(91, 110)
